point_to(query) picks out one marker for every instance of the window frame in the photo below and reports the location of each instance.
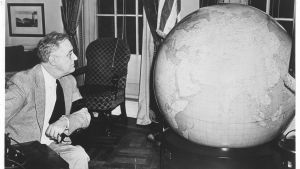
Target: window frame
(116, 15)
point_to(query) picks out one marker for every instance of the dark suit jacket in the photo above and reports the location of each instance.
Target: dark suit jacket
(25, 105)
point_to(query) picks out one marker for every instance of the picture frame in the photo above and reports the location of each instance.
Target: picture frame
(26, 19)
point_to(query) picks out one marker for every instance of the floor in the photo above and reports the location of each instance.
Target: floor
(128, 148)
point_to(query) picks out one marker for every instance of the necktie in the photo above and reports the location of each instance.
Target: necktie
(59, 107)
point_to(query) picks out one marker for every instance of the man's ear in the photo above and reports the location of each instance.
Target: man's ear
(52, 60)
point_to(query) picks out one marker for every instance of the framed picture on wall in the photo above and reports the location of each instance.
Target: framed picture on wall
(26, 19)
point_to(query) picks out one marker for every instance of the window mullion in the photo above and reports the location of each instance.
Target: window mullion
(268, 3)
(128, 15)
(284, 19)
(137, 27)
(115, 18)
(294, 15)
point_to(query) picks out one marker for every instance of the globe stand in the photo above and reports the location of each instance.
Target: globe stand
(176, 152)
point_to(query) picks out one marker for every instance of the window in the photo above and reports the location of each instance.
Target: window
(113, 19)
(281, 10)
(119, 17)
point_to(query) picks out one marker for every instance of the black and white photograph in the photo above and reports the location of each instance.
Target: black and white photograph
(26, 19)
(150, 84)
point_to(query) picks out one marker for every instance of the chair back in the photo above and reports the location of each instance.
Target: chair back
(106, 58)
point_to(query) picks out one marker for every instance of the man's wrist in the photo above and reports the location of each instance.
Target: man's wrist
(67, 120)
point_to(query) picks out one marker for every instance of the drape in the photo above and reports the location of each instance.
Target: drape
(151, 41)
(86, 32)
(148, 110)
(89, 24)
(70, 11)
(167, 11)
(143, 115)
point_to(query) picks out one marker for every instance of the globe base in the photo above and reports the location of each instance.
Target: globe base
(178, 153)
(176, 143)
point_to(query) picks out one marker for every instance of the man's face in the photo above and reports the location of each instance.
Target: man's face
(64, 58)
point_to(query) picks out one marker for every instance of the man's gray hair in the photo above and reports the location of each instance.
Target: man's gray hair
(49, 43)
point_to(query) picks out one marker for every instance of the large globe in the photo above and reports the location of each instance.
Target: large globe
(219, 77)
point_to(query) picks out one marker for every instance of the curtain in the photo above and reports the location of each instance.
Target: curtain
(151, 41)
(89, 22)
(167, 10)
(70, 11)
(86, 33)
(143, 115)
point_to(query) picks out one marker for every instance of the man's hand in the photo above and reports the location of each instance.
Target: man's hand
(55, 129)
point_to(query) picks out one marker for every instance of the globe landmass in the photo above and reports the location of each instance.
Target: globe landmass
(218, 77)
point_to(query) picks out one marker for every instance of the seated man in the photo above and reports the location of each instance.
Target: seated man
(34, 110)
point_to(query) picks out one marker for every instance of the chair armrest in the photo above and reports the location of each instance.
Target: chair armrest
(115, 81)
(80, 71)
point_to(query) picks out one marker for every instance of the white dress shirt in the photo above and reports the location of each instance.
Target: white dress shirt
(50, 98)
